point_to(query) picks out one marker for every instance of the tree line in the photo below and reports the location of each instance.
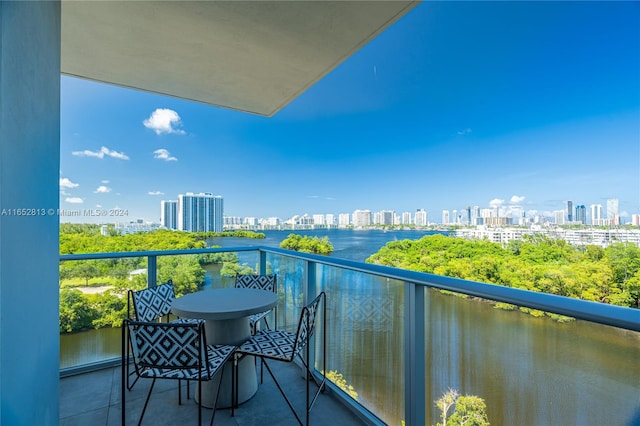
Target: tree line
(536, 263)
(82, 311)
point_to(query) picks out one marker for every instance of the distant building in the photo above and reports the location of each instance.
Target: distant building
(406, 218)
(383, 217)
(559, 217)
(613, 211)
(169, 214)
(421, 218)
(330, 219)
(201, 212)
(596, 214)
(635, 219)
(581, 214)
(361, 218)
(445, 217)
(570, 211)
(344, 219)
(318, 219)
(476, 216)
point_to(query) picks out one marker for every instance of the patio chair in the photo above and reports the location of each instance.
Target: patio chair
(285, 346)
(260, 282)
(151, 304)
(176, 351)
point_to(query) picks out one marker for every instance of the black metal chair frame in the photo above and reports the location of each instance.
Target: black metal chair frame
(154, 363)
(159, 307)
(304, 333)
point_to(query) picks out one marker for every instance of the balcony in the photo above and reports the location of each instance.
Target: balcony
(401, 338)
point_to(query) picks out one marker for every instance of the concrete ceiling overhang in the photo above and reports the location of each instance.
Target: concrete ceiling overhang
(254, 56)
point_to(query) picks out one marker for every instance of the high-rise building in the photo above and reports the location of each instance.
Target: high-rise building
(613, 211)
(318, 219)
(169, 214)
(570, 211)
(344, 219)
(581, 214)
(330, 219)
(475, 216)
(421, 218)
(596, 214)
(445, 217)
(361, 218)
(200, 212)
(406, 218)
(559, 217)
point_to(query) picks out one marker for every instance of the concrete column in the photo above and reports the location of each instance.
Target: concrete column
(29, 196)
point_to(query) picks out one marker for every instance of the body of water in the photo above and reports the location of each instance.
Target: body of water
(529, 371)
(347, 243)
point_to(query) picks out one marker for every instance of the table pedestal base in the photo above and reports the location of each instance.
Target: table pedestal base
(230, 332)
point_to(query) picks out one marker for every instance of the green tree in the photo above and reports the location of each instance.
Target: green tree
(470, 410)
(76, 312)
(307, 244)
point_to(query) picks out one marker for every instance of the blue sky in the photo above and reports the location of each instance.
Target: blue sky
(457, 104)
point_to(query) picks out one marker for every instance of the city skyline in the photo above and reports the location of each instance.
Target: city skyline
(456, 105)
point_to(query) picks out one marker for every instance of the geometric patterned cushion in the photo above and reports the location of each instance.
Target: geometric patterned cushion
(217, 356)
(260, 282)
(283, 345)
(174, 351)
(274, 344)
(153, 302)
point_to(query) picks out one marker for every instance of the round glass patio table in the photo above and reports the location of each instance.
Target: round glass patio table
(226, 313)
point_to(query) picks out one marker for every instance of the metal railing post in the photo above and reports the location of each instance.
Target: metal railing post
(152, 267)
(414, 358)
(309, 294)
(262, 262)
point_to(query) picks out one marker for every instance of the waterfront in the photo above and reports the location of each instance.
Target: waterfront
(529, 370)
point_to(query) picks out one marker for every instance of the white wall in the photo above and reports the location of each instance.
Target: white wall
(29, 179)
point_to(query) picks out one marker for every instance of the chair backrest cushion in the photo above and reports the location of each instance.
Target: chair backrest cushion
(153, 302)
(260, 282)
(166, 345)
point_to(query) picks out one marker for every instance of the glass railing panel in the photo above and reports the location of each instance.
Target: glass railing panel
(92, 302)
(529, 369)
(365, 339)
(291, 288)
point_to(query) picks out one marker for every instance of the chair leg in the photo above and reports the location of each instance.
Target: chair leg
(146, 402)
(284, 395)
(215, 403)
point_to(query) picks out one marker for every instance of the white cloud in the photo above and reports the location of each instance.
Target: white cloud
(496, 202)
(102, 190)
(516, 199)
(74, 200)
(155, 193)
(465, 131)
(104, 181)
(163, 154)
(164, 120)
(100, 154)
(66, 183)
(98, 206)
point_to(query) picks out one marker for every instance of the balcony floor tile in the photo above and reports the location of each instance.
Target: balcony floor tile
(94, 398)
